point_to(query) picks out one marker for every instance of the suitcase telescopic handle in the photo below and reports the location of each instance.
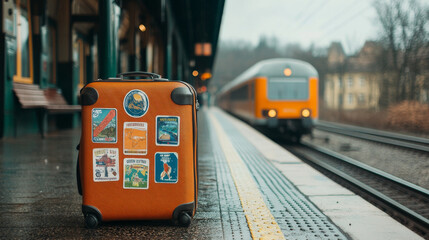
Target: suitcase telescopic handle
(152, 76)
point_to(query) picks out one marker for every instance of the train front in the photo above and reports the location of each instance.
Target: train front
(287, 96)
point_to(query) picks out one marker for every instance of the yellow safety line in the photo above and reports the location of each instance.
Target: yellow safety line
(261, 222)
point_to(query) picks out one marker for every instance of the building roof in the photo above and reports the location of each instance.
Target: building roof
(368, 59)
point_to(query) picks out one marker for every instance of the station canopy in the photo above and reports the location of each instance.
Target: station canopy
(199, 23)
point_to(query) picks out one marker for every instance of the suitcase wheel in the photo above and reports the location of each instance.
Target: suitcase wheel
(184, 219)
(91, 221)
(182, 214)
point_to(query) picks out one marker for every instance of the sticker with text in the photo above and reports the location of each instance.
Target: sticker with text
(104, 125)
(166, 167)
(167, 130)
(135, 138)
(106, 164)
(136, 173)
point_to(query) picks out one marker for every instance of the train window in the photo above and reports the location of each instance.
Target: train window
(288, 89)
(24, 53)
(48, 54)
(241, 93)
(252, 91)
(79, 59)
(53, 55)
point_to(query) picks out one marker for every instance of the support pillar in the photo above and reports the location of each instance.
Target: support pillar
(169, 54)
(65, 80)
(131, 43)
(168, 25)
(108, 38)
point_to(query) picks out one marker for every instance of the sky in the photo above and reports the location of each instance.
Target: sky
(320, 22)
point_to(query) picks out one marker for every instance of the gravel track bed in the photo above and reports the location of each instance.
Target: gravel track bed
(412, 166)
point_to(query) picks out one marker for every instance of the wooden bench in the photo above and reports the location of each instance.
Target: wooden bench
(57, 104)
(30, 96)
(44, 101)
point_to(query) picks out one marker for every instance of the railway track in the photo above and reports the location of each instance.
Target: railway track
(405, 201)
(394, 139)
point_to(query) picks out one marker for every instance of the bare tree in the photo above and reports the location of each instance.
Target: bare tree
(405, 34)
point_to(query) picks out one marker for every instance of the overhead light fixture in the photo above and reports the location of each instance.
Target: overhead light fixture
(142, 27)
(203, 49)
(206, 76)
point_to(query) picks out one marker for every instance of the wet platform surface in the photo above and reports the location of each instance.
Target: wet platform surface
(39, 198)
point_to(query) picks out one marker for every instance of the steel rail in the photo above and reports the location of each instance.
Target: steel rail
(421, 221)
(399, 140)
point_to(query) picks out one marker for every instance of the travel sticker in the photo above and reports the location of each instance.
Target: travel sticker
(136, 173)
(104, 125)
(106, 164)
(166, 170)
(167, 130)
(135, 138)
(136, 103)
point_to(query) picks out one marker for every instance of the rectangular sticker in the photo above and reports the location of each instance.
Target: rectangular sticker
(106, 164)
(136, 173)
(135, 138)
(166, 167)
(167, 130)
(104, 129)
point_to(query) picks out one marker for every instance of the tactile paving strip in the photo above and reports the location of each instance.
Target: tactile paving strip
(233, 220)
(259, 218)
(297, 217)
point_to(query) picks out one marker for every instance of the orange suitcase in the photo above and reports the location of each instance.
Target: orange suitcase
(138, 150)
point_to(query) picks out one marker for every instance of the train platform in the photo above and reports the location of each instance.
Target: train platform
(249, 187)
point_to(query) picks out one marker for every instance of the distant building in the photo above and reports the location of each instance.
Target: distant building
(367, 80)
(353, 82)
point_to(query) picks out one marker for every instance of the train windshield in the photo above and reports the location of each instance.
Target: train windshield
(288, 89)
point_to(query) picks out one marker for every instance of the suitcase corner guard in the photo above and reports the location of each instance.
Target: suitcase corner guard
(88, 96)
(183, 213)
(182, 96)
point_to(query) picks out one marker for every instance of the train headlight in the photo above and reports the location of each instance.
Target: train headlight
(305, 112)
(271, 113)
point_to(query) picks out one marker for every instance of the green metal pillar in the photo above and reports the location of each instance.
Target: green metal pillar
(108, 38)
(66, 80)
(89, 65)
(7, 69)
(169, 28)
(169, 53)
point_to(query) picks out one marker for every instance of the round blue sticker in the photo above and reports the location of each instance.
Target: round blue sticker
(136, 103)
